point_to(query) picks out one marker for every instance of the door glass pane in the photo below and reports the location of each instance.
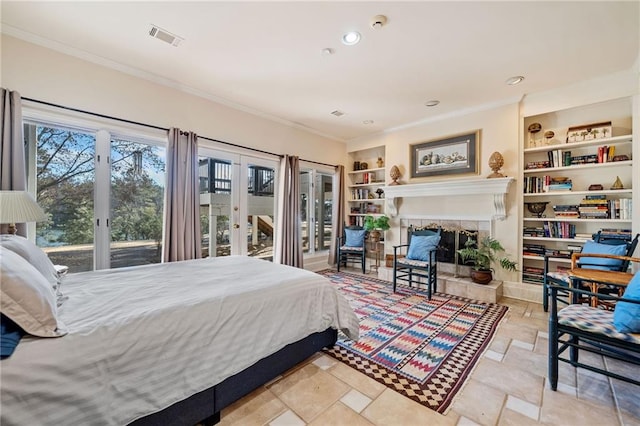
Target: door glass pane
(65, 174)
(260, 211)
(215, 206)
(137, 198)
(323, 206)
(305, 188)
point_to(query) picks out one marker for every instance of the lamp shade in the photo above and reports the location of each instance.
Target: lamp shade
(19, 207)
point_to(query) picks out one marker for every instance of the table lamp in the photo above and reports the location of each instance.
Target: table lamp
(19, 207)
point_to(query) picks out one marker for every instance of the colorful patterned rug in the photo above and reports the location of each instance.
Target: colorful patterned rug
(423, 349)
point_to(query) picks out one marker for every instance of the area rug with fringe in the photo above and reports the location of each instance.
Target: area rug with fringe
(423, 349)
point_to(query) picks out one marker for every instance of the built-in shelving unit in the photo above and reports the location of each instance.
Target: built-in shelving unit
(579, 190)
(367, 175)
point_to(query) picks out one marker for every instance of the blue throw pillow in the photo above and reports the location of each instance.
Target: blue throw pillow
(354, 238)
(601, 263)
(626, 315)
(10, 335)
(421, 245)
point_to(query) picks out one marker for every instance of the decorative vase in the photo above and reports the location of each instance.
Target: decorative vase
(481, 276)
(375, 235)
(380, 162)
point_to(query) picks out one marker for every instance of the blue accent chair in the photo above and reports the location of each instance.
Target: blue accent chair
(561, 278)
(420, 261)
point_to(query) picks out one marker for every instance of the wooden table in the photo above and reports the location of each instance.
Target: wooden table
(376, 247)
(594, 279)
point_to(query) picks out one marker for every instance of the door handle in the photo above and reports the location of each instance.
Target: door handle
(236, 226)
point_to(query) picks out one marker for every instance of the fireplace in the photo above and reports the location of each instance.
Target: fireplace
(454, 235)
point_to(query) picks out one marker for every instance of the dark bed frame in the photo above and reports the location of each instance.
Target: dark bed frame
(205, 407)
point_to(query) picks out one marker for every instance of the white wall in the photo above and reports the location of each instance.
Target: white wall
(44, 74)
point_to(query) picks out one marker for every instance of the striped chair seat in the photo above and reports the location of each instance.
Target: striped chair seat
(347, 248)
(411, 262)
(559, 276)
(594, 320)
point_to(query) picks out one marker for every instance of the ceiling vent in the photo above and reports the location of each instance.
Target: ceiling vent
(164, 35)
(337, 113)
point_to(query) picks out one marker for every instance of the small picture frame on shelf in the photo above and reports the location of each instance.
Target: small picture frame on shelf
(586, 132)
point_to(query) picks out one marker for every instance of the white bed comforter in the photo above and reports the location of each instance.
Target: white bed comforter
(142, 338)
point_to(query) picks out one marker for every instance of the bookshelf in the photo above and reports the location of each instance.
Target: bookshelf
(575, 173)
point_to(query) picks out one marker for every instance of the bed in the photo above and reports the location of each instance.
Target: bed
(170, 343)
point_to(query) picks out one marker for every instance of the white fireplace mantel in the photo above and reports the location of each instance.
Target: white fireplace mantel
(497, 187)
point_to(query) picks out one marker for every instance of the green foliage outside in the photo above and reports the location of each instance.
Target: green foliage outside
(65, 186)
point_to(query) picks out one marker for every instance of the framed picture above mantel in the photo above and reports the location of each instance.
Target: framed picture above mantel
(452, 155)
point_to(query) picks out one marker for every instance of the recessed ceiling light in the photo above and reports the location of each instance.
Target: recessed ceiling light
(432, 103)
(512, 81)
(351, 38)
(367, 122)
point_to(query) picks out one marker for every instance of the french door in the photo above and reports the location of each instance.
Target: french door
(237, 204)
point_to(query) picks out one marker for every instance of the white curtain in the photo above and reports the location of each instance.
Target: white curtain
(288, 246)
(13, 174)
(337, 215)
(181, 230)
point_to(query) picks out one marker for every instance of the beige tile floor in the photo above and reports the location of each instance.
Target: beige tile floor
(507, 387)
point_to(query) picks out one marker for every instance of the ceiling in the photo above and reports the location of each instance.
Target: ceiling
(266, 57)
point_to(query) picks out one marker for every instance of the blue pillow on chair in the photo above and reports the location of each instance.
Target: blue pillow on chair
(626, 315)
(601, 263)
(355, 238)
(421, 245)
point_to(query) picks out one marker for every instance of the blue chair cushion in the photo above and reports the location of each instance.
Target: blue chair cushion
(601, 263)
(626, 315)
(355, 238)
(421, 245)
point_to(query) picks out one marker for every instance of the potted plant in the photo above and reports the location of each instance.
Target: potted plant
(481, 256)
(376, 224)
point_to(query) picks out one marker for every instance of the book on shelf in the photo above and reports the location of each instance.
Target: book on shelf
(533, 250)
(559, 229)
(594, 207)
(582, 236)
(537, 165)
(584, 159)
(614, 233)
(569, 211)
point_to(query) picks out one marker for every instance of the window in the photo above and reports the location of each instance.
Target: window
(137, 200)
(104, 196)
(61, 170)
(316, 204)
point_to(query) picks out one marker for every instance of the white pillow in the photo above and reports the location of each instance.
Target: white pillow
(33, 254)
(27, 297)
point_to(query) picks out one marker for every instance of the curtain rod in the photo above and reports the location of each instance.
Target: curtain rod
(124, 120)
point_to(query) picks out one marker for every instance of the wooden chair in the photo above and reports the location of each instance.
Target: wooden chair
(352, 246)
(423, 266)
(580, 327)
(561, 278)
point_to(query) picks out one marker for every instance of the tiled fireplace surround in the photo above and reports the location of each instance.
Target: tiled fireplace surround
(452, 279)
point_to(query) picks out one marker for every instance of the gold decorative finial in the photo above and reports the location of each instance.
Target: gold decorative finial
(495, 163)
(395, 175)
